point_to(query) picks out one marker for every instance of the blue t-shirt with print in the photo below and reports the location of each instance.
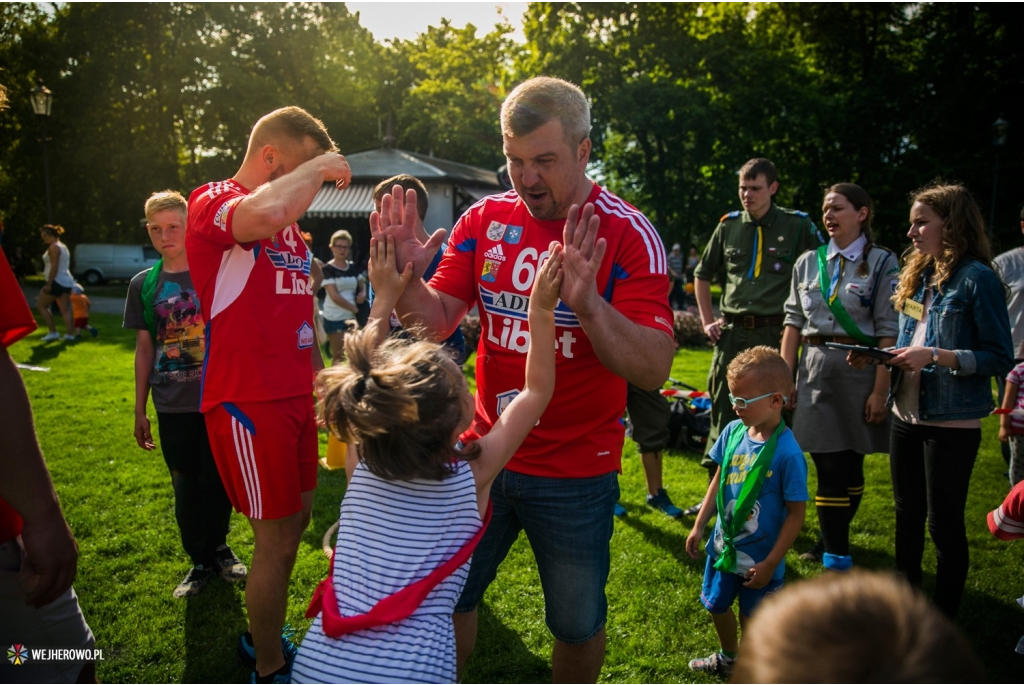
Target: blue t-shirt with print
(786, 482)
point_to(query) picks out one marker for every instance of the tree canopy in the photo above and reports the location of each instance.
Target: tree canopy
(149, 96)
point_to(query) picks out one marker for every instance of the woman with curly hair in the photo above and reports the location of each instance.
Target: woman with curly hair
(954, 336)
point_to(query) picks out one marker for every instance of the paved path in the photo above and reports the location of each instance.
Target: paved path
(100, 304)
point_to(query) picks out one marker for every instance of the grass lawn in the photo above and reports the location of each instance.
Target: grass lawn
(118, 501)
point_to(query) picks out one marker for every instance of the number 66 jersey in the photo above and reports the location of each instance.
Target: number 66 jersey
(493, 256)
(256, 301)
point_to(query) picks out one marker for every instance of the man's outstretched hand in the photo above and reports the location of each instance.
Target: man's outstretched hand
(397, 218)
(583, 254)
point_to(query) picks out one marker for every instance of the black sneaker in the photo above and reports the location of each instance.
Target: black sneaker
(231, 567)
(194, 581)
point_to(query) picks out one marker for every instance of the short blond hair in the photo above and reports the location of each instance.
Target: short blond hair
(164, 200)
(292, 124)
(860, 627)
(767, 363)
(537, 101)
(341, 234)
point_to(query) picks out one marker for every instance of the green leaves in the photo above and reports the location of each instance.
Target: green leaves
(887, 95)
(163, 95)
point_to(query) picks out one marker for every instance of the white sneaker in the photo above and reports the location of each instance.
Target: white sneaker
(51, 336)
(68, 338)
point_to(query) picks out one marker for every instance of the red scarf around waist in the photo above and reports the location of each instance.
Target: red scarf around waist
(392, 608)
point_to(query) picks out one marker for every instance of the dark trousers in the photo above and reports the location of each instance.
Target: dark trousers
(201, 507)
(931, 471)
(676, 295)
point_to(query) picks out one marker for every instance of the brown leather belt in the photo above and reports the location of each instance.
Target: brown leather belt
(822, 339)
(749, 321)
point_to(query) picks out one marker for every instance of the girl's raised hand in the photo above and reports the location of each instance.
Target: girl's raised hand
(387, 282)
(549, 279)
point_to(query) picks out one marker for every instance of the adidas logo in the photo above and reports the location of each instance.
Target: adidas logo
(495, 253)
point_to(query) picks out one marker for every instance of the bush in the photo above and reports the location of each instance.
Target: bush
(688, 330)
(471, 330)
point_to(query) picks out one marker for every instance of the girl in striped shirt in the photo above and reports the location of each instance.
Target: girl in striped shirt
(416, 495)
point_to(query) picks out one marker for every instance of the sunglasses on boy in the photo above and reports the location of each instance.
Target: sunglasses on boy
(741, 403)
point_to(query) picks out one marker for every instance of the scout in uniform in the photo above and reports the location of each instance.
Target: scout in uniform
(840, 294)
(752, 252)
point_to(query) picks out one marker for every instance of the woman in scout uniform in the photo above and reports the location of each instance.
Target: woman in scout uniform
(840, 294)
(954, 335)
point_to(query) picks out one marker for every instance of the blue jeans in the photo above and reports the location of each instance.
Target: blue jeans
(720, 590)
(568, 522)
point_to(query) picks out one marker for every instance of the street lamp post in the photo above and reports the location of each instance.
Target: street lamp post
(1000, 133)
(42, 100)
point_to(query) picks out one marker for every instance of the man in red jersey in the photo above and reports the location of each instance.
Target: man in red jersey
(250, 268)
(613, 325)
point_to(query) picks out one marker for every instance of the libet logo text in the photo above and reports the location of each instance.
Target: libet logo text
(19, 655)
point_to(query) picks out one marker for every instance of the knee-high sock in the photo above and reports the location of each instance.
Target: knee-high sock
(833, 501)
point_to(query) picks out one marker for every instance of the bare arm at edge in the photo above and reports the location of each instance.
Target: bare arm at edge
(26, 486)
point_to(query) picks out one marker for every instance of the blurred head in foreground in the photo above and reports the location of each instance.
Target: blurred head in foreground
(856, 627)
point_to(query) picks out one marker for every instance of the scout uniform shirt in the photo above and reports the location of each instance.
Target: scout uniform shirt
(757, 258)
(865, 295)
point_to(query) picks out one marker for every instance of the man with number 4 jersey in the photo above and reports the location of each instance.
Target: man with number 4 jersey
(250, 268)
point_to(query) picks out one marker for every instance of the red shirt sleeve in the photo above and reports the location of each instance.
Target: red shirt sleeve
(456, 275)
(16, 320)
(211, 209)
(640, 279)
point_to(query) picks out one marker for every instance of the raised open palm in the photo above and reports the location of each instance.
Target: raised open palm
(584, 252)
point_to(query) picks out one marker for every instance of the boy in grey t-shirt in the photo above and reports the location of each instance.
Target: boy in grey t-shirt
(163, 309)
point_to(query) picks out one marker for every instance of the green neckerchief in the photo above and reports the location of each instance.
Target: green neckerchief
(836, 305)
(749, 491)
(148, 291)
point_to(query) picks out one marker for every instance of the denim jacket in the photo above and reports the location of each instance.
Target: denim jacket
(969, 317)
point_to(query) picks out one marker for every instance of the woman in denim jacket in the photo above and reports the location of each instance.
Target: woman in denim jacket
(954, 336)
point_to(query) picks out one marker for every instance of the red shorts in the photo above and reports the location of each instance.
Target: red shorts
(266, 453)
(82, 322)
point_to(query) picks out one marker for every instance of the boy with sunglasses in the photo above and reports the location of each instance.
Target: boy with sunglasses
(759, 493)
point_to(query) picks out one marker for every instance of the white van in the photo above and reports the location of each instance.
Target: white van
(95, 262)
